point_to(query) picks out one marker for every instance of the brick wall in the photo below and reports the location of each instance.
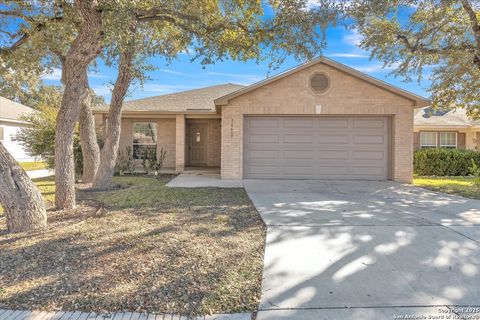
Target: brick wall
(290, 95)
(213, 143)
(165, 138)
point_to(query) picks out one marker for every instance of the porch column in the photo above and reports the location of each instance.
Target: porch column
(180, 143)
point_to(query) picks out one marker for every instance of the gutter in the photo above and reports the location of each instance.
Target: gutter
(13, 121)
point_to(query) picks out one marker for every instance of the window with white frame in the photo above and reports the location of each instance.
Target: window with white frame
(144, 138)
(448, 139)
(428, 139)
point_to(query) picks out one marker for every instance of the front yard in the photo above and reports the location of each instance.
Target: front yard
(33, 165)
(462, 186)
(141, 247)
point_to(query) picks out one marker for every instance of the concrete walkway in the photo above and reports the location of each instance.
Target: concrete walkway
(6, 314)
(35, 174)
(190, 180)
(366, 250)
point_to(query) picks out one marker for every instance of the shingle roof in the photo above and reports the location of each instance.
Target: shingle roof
(429, 117)
(192, 100)
(12, 110)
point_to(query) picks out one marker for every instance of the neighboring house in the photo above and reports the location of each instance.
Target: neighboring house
(10, 123)
(445, 128)
(320, 120)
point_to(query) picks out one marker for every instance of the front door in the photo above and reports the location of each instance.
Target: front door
(197, 147)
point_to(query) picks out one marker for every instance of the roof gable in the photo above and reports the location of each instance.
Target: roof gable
(12, 110)
(417, 100)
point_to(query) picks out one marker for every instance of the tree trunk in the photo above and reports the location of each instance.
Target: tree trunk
(475, 25)
(88, 140)
(23, 203)
(83, 50)
(108, 154)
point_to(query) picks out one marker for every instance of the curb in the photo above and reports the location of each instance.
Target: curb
(8, 314)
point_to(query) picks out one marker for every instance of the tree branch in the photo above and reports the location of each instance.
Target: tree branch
(15, 13)
(26, 36)
(417, 46)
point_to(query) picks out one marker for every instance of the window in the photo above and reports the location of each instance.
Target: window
(428, 139)
(1, 134)
(144, 138)
(448, 139)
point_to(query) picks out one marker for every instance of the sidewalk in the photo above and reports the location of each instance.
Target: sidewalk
(35, 174)
(77, 315)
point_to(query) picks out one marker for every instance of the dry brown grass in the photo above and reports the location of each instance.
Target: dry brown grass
(143, 247)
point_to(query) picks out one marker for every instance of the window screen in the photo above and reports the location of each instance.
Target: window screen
(448, 139)
(428, 139)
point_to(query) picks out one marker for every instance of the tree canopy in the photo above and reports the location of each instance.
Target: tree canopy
(440, 38)
(74, 33)
(43, 30)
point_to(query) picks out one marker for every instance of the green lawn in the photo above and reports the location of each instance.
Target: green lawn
(30, 166)
(139, 247)
(462, 186)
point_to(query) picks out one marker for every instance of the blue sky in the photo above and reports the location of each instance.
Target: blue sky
(182, 74)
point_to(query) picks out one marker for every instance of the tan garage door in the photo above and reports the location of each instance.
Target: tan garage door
(287, 147)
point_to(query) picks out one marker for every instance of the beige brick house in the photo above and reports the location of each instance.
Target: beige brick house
(446, 129)
(320, 120)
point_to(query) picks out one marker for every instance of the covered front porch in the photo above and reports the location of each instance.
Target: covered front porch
(197, 144)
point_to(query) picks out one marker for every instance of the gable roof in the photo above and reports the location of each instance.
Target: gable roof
(196, 100)
(13, 111)
(417, 100)
(429, 117)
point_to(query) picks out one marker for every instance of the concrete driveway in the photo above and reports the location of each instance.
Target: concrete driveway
(366, 250)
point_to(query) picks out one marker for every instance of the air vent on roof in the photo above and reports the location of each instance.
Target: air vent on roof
(319, 83)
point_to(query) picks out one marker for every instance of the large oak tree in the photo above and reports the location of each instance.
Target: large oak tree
(419, 37)
(75, 33)
(22, 202)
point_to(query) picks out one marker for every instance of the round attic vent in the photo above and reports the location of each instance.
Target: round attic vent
(319, 83)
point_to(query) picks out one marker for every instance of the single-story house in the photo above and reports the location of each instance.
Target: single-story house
(320, 120)
(446, 129)
(11, 122)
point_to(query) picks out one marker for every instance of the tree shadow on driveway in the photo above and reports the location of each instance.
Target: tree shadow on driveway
(338, 245)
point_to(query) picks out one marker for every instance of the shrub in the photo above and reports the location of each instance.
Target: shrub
(475, 171)
(152, 162)
(444, 162)
(125, 161)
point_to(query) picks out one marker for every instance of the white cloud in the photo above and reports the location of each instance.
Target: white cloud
(97, 75)
(188, 51)
(161, 88)
(348, 55)
(375, 67)
(353, 38)
(239, 77)
(55, 75)
(312, 4)
(103, 90)
(174, 72)
(369, 68)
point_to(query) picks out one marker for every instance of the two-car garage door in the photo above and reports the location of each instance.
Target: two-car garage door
(316, 147)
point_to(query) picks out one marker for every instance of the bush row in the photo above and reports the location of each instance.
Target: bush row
(444, 162)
